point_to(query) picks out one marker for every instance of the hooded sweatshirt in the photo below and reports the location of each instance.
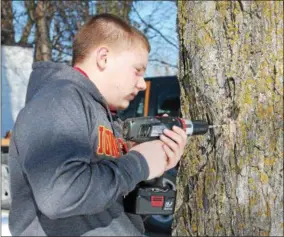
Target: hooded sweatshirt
(67, 173)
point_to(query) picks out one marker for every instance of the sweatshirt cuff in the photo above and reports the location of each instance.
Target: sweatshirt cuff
(136, 166)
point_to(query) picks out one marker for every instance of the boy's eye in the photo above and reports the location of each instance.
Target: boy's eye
(139, 71)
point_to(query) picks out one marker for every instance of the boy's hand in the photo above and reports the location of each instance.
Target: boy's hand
(164, 154)
(174, 143)
(155, 156)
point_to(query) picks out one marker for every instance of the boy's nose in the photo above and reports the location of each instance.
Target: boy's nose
(141, 85)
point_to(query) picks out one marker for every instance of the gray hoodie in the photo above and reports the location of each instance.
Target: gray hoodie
(67, 173)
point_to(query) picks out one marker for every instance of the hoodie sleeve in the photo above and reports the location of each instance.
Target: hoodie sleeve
(58, 160)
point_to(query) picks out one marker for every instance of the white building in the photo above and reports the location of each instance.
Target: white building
(16, 66)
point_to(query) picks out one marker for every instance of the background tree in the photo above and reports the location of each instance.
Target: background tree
(7, 29)
(68, 18)
(27, 28)
(42, 15)
(230, 182)
(49, 26)
(55, 25)
(118, 8)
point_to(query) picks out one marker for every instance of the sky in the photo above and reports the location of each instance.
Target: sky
(161, 14)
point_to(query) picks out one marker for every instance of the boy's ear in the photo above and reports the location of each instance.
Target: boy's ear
(101, 57)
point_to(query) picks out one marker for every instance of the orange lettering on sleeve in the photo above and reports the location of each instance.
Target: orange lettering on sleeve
(100, 149)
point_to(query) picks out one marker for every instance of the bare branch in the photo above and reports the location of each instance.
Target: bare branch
(163, 62)
(154, 29)
(118, 8)
(59, 33)
(26, 31)
(61, 50)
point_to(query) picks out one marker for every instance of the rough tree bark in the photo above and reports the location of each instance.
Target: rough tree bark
(7, 26)
(43, 15)
(230, 181)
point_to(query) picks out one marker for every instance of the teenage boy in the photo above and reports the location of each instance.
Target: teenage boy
(69, 173)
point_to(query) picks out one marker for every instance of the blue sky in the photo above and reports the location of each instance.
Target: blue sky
(161, 14)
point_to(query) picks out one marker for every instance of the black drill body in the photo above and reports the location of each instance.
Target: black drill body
(142, 129)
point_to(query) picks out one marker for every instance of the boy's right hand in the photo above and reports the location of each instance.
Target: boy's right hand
(155, 156)
(163, 154)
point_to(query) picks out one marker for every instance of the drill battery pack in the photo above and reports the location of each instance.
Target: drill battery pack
(150, 201)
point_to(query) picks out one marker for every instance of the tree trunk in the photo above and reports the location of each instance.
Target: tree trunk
(42, 20)
(7, 26)
(230, 181)
(118, 8)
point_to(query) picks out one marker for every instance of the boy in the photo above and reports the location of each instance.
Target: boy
(68, 169)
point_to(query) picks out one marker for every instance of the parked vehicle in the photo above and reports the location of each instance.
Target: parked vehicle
(5, 198)
(162, 96)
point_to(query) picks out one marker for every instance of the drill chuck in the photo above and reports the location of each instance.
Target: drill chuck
(197, 127)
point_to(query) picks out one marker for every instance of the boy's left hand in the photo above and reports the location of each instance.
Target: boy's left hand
(174, 143)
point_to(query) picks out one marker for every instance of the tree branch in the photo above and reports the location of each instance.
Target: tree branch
(26, 31)
(163, 62)
(154, 29)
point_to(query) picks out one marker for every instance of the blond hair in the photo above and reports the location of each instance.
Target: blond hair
(105, 29)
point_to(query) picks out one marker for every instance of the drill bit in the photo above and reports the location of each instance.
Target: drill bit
(216, 126)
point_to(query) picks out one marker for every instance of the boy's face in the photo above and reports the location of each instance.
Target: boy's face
(125, 76)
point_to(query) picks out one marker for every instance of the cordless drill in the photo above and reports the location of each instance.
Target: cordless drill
(157, 196)
(142, 129)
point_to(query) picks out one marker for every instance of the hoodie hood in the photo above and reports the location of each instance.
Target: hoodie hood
(47, 72)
